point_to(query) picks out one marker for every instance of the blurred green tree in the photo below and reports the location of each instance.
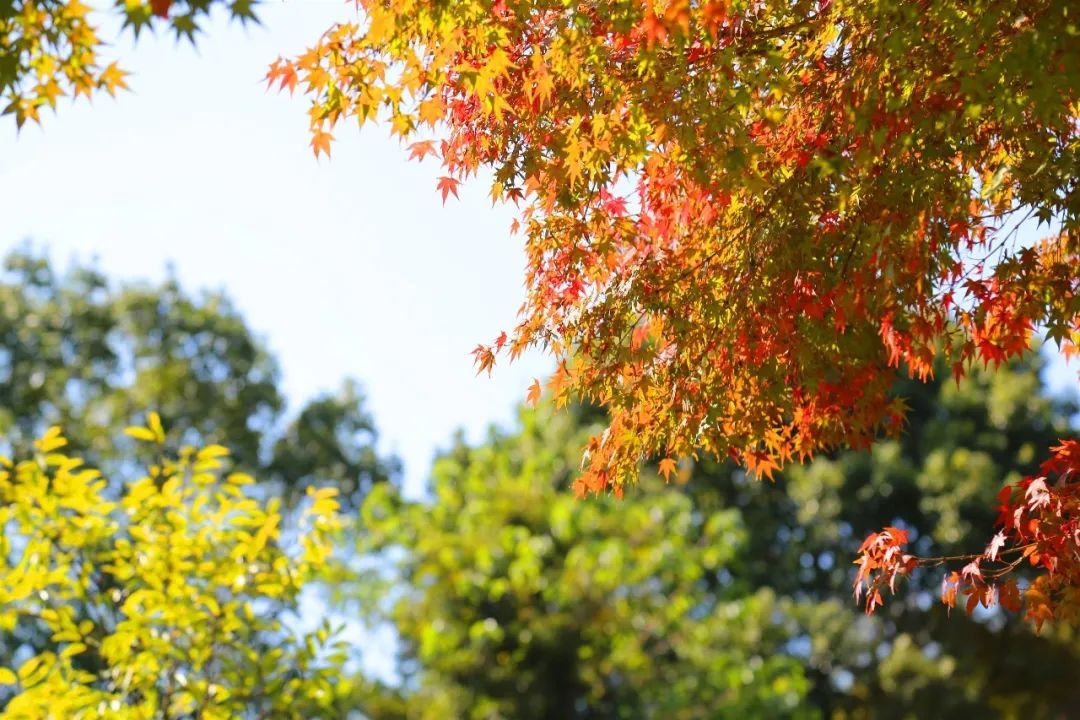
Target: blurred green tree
(513, 599)
(79, 351)
(911, 660)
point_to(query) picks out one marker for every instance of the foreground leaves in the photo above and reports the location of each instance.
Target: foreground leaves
(50, 49)
(163, 597)
(1038, 525)
(740, 217)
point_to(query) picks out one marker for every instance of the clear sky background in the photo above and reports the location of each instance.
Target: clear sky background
(347, 268)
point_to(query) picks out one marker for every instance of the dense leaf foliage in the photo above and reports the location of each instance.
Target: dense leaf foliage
(51, 48)
(508, 594)
(514, 600)
(742, 215)
(162, 598)
(88, 354)
(938, 483)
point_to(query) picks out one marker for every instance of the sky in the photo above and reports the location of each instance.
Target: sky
(347, 267)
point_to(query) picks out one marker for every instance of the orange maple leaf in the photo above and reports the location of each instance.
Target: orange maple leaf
(320, 142)
(421, 149)
(484, 359)
(534, 393)
(761, 463)
(431, 111)
(667, 466)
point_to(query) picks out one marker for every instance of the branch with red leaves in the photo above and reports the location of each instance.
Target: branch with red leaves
(1038, 522)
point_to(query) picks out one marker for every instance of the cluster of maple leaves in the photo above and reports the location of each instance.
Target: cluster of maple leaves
(50, 49)
(742, 216)
(1038, 526)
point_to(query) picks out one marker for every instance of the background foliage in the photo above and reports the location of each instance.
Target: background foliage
(515, 600)
(714, 593)
(717, 594)
(79, 351)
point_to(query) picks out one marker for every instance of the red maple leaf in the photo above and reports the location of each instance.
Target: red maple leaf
(448, 185)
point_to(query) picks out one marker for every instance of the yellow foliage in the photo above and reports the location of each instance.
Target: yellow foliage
(161, 597)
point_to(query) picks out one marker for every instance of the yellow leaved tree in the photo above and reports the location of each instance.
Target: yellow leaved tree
(165, 597)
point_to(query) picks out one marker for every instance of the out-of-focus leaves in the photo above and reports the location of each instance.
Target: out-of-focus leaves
(85, 353)
(50, 49)
(519, 601)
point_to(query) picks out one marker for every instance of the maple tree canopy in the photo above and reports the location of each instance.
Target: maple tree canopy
(741, 216)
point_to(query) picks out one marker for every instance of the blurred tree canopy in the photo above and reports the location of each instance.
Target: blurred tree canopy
(513, 599)
(911, 660)
(90, 355)
(719, 595)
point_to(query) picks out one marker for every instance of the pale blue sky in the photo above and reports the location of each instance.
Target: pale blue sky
(348, 267)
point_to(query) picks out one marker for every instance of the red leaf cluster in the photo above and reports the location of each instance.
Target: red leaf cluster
(881, 561)
(1038, 522)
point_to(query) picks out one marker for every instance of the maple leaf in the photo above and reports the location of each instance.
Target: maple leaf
(320, 143)
(995, 546)
(161, 7)
(958, 371)
(286, 77)
(653, 29)
(667, 466)
(949, 585)
(112, 79)
(421, 149)
(558, 382)
(972, 571)
(431, 111)
(448, 185)
(1009, 595)
(484, 359)
(760, 463)
(534, 393)
(1037, 494)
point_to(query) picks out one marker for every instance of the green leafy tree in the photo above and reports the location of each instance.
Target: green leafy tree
(85, 353)
(164, 597)
(512, 599)
(964, 442)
